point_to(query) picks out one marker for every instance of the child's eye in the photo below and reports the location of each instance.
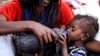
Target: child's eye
(73, 29)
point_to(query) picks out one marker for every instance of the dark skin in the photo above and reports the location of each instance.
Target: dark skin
(42, 32)
(94, 45)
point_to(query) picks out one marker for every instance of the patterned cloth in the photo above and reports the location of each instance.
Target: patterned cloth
(77, 51)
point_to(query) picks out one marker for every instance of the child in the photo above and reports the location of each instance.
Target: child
(82, 29)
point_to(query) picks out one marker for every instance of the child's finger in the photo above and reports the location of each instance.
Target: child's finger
(64, 36)
(61, 37)
(60, 41)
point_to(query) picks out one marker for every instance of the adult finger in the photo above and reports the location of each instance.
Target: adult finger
(54, 36)
(41, 41)
(45, 38)
(49, 37)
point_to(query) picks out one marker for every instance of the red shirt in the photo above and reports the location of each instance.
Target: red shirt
(13, 12)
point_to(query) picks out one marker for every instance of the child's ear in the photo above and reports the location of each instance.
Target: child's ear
(84, 37)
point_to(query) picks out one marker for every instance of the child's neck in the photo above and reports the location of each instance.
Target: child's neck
(78, 43)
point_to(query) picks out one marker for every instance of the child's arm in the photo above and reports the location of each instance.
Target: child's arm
(63, 44)
(64, 52)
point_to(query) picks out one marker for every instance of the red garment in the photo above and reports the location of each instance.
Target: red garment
(66, 15)
(13, 12)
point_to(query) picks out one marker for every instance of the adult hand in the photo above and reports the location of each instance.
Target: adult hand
(43, 33)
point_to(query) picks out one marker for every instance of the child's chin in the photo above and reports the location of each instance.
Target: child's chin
(68, 39)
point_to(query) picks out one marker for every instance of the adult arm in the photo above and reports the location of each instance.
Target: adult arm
(7, 27)
(10, 22)
(93, 46)
(41, 31)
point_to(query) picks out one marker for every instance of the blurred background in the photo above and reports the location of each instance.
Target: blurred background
(2, 2)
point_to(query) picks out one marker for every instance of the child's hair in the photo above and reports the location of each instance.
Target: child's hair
(89, 24)
(28, 44)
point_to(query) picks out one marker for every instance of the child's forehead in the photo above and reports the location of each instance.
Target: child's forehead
(75, 22)
(78, 24)
(78, 21)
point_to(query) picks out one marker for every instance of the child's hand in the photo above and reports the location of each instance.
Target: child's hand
(62, 41)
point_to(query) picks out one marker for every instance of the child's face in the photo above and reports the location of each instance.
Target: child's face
(75, 31)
